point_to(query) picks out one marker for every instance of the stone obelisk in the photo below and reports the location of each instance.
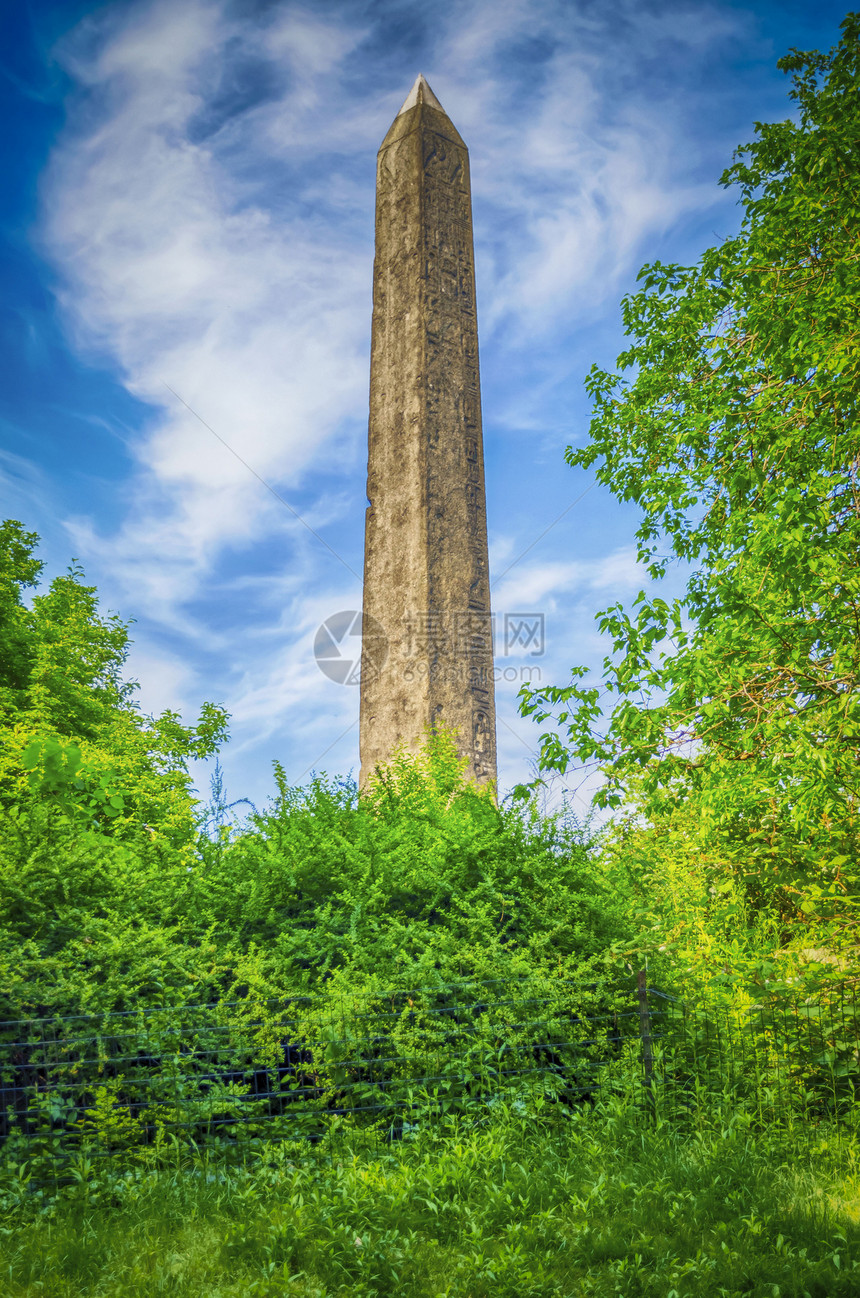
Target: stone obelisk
(427, 654)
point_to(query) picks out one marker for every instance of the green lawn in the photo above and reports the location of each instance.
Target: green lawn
(601, 1204)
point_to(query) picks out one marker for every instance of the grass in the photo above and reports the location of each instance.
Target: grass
(599, 1204)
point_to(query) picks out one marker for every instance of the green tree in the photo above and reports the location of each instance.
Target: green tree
(72, 735)
(733, 425)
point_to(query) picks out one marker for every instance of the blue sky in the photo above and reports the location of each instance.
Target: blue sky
(189, 205)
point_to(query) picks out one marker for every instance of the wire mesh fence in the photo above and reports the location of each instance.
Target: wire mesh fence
(787, 1057)
(235, 1074)
(143, 1086)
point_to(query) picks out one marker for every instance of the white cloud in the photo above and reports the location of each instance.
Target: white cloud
(165, 680)
(254, 320)
(537, 585)
(582, 164)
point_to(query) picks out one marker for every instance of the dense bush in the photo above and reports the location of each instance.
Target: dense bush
(424, 879)
(112, 896)
(73, 738)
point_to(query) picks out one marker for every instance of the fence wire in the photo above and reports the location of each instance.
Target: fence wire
(787, 1057)
(139, 1086)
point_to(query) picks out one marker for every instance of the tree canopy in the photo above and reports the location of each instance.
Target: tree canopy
(72, 734)
(732, 423)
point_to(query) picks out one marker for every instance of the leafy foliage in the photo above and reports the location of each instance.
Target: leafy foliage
(111, 897)
(424, 877)
(72, 736)
(738, 705)
(325, 889)
(734, 743)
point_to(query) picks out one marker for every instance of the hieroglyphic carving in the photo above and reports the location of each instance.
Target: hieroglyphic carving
(454, 398)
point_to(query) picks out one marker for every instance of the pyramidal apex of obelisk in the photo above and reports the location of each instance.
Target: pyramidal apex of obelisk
(427, 654)
(421, 94)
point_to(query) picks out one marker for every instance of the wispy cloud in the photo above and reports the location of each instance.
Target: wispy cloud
(540, 585)
(178, 274)
(583, 155)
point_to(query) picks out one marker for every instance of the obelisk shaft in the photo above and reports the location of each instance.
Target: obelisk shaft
(426, 578)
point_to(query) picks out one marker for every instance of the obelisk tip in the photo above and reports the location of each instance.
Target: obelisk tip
(420, 94)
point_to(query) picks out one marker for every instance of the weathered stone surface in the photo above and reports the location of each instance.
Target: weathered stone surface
(426, 579)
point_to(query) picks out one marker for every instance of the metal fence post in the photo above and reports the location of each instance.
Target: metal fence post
(645, 1034)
